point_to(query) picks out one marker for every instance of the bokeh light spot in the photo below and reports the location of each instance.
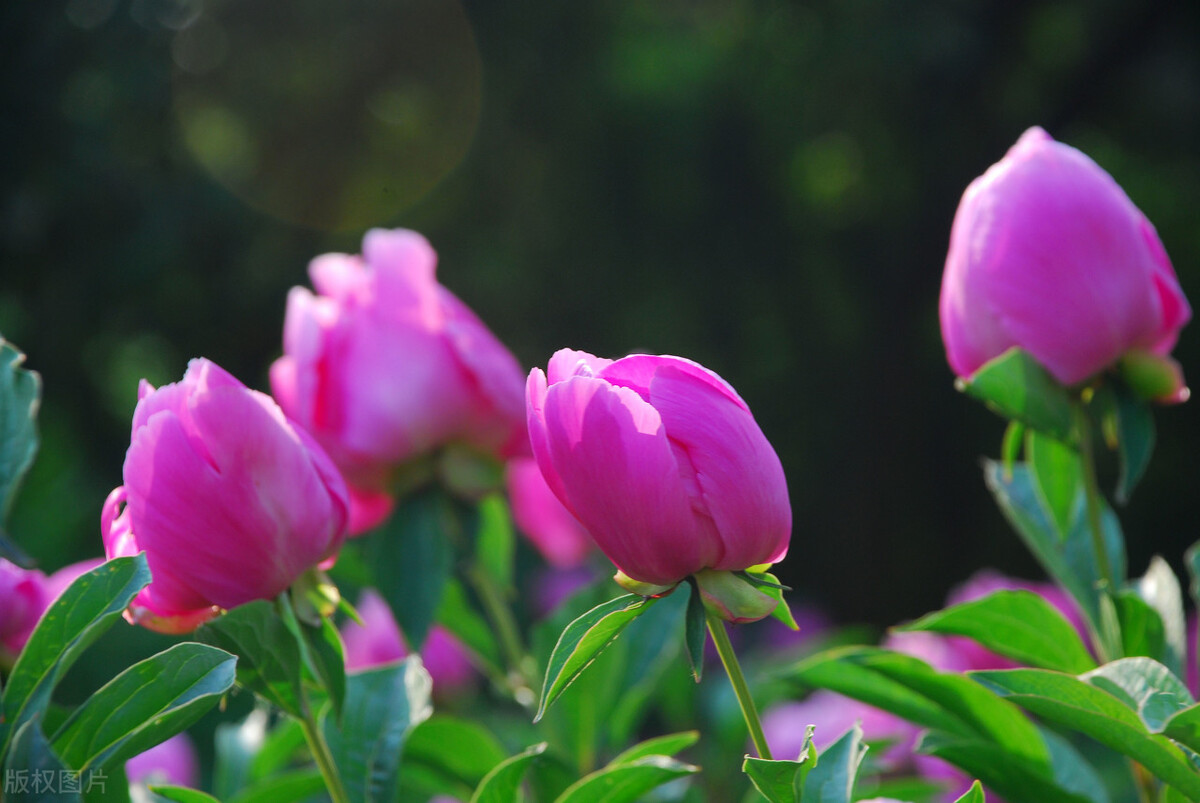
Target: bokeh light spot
(334, 116)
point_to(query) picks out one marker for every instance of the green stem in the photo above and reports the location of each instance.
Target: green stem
(497, 610)
(716, 628)
(1091, 490)
(320, 750)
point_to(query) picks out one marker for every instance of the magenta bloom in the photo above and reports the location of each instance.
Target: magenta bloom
(385, 366)
(229, 501)
(661, 461)
(1048, 253)
(171, 762)
(831, 715)
(378, 640)
(23, 597)
(553, 530)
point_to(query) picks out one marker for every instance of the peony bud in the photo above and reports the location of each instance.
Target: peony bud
(553, 530)
(661, 461)
(229, 501)
(384, 366)
(1047, 253)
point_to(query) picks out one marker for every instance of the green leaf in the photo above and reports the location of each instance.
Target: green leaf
(503, 783)
(776, 780)
(1184, 727)
(584, 639)
(1146, 686)
(910, 688)
(20, 395)
(1135, 440)
(327, 659)
(146, 704)
(382, 706)
(626, 782)
(89, 607)
(1094, 712)
(782, 781)
(457, 616)
(30, 754)
(1142, 631)
(1057, 474)
(1016, 386)
(180, 794)
(1012, 777)
(269, 660)
(831, 780)
(496, 542)
(1071, 562)
(667, 745)
(1072, 771)
(1159, 587)
(769, 584)
(1010, 446)
(1020, 625)
(288, 787)
(413, 554)
(695, 630)
(972, 795)
(456, 771)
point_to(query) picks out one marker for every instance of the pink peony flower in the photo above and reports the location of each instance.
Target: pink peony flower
(171, 762)
(378, 640)
(1048, 253)
(23, 597)
(229, 501)
(384, 366)
(661, 461)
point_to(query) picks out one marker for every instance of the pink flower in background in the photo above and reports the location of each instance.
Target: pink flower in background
(378, 640)
(58, 582)
(557, 534)
(661, 461)
(23, 597)
(384, 366)
(229, 501)
(171, 762)
(831, 714)
(1048, 253)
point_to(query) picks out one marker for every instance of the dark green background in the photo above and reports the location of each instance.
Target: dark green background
(765, 187)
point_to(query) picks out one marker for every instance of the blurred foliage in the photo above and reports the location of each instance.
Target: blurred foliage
(764, 186)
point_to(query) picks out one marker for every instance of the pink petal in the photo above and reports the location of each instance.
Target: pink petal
(621, 478)
(638, 371)
(738, 478)
(553, 530)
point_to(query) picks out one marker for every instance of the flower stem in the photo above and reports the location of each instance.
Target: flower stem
(1091, 488)
(720, 637)
(497, 610)
(320, 750)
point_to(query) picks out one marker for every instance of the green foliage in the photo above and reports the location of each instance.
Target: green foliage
(695, 630)
(972, 795)
(430, 768)
(1057, 474)
(633, 773)
(584, 639)
(144, 705)
(503, 783)
(89, 607)
(413, 554)
(1086, 707)
(1017, 387)
(1133, 427)
(1016, 624)
(827, 778)
(180, 794)
(20, 395)
(1070, 561)
(382, 706)
(269, 659)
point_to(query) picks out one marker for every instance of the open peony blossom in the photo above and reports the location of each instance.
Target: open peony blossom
(662, 462)
(1047, 253)
(229, 501)
(384, 366)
